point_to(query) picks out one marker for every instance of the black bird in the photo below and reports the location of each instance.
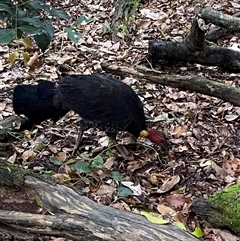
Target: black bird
(37, 103)
(102, 102)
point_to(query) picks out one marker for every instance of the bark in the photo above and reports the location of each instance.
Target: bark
(194, 49)
(219, 32)
(178, 52)
(74, 216)
(122, 18)
(221, 209)
(220, 19)
(192, 83)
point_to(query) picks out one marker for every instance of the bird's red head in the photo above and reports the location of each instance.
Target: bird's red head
(153, 135)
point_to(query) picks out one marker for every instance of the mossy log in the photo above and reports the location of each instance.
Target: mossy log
(222, 209)
(194, 49)
(69, 214)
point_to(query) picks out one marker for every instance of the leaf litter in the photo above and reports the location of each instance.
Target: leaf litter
(202, 154)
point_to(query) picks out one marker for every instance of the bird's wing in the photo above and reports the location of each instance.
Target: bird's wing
(97, 100)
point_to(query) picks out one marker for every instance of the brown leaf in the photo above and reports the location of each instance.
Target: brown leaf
(12, 158)
(33, 61)
(163, 209)
(29, 154)
(143, 24)
(176, 200)
(105, 190)
(179, 131)
(61, 156)
(169, 184)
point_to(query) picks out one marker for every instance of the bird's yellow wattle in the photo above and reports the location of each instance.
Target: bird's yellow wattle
(144, 133)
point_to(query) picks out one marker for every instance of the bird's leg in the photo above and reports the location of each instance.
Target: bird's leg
(83, 127)
(122, 150)
(78, 142)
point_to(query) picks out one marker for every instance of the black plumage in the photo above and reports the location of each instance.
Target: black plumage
(37, 102)
(101, 102)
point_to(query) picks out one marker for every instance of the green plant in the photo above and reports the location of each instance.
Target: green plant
(28, 17)
(74, 34)
(94, 163)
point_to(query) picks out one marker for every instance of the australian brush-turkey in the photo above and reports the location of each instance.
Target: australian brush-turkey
(102, 102)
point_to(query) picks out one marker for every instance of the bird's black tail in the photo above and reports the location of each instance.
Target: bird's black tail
(37, 102)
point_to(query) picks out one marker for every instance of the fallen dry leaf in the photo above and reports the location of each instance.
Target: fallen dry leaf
(169, 184)
(176, 200)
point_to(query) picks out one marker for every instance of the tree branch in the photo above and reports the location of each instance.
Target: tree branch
(192, 83)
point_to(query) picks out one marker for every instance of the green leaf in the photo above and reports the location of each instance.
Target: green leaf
(55, 161)
(179, 225)
(38, 5)
(59, 13)
(82, 167)
(27, 42)
(73, 34)
(49, 173)
(6, 8)
(5, 1)
(43, 40)
(97, 162)
(82, 19)
(7, 35)
(49, 29)
(20, 14)
(124, 191)
(117, 176)
(198, 233)
(154, 218)
(106, 27)
(26, 58)
(109, 153)
(33, 21)
(12, 57)
(31, 29)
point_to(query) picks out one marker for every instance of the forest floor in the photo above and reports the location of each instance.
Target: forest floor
(202, 155)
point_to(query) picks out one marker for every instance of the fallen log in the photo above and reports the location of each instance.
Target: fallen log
(194, 49)
(71, 215)
(218, 32)
(193, 83)
(221, 209)
(173, 52)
